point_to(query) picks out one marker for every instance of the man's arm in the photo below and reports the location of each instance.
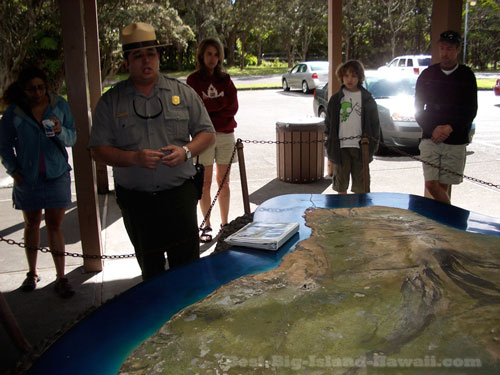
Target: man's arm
(201, 142)
(420, 115)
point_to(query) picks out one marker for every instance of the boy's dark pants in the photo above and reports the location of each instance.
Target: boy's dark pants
(161, 222)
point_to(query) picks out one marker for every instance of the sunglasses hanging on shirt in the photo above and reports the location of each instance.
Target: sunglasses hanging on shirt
(158, 110)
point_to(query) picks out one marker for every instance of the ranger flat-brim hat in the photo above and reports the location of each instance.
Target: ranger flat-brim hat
(139, 35)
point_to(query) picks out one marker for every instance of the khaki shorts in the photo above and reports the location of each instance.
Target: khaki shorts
(451, 157)
(352, 166)
(221, 151)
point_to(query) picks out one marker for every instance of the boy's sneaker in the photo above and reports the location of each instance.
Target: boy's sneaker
(29, 284)
(63, 288)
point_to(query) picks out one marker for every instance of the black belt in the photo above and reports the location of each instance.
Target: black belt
(141, 192)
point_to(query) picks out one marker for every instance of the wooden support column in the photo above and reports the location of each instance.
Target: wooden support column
(94, 77)
(334, 43)
(76, 83)
(446, 15)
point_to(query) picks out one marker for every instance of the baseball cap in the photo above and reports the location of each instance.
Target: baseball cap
(450, 36)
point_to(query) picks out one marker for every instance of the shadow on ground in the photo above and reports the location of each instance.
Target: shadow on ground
(38, 313)
(71, 226)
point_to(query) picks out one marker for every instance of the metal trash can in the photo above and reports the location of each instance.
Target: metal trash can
(301, 158)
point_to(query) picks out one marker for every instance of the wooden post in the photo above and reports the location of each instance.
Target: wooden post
(334, 52)
(10, 323)
(243, 176)
(365, 152)
(94, 74)
(446, 15)
(334, 43)
(76, 83)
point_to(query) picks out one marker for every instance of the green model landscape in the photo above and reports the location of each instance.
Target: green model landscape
(374, 290)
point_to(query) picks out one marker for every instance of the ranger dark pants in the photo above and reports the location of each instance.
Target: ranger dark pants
(160, 222)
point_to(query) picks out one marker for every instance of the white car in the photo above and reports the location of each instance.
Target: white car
(306, 76)
(409, 63)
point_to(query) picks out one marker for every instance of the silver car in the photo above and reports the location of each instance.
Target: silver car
(306, 76)
(395, 97)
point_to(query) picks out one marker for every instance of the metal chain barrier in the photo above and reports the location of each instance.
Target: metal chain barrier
(401, 152)
(202, 225)
(473, 179)
(66, 253)
(124, 256)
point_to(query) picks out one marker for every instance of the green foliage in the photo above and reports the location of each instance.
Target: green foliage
(287, 30)
(23, 26)
(483, 45)
(250, 60)
(50, 43)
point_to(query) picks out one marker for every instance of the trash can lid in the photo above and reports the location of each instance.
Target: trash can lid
(300, 121)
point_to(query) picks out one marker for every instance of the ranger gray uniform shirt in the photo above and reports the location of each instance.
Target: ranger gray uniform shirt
(127, 119)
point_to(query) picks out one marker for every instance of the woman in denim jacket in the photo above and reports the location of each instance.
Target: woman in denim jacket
(33, 151)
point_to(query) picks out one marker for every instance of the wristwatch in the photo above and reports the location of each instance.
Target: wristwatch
(188, 152)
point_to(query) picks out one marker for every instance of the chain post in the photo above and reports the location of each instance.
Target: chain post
(365, 153)
(243, 176)
(202, 225)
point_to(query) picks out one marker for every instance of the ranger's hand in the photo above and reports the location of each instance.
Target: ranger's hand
(173, 156)
(147, 158)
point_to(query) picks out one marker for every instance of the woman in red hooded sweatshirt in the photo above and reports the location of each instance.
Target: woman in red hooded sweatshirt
(218, 93)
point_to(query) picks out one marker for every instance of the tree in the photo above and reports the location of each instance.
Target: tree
(313, 16)
(247, 14)
(484, 34)
(26, 28)
(398, 12)
(287, 25)
(117, 14)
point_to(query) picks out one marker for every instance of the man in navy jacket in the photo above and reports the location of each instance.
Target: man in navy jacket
(446, 104)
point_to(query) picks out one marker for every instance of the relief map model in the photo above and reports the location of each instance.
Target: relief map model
(374, 290)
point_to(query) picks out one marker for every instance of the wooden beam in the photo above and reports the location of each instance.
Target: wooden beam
(76, 83)
(446, 15)
(94, 76)
(334, 43)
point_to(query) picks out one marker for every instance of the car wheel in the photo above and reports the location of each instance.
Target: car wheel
(285, 85)
(305, 87)
(321, 112)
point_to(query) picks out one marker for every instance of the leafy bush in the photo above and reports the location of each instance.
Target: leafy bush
(250, 60)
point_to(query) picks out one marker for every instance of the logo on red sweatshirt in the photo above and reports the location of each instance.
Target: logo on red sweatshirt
(212, 93)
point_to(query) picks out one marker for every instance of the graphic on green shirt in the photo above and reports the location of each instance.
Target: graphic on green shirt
(346, 109)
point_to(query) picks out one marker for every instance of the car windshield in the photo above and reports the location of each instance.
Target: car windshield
(319, 66)
(425, 61)
(384, 87)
